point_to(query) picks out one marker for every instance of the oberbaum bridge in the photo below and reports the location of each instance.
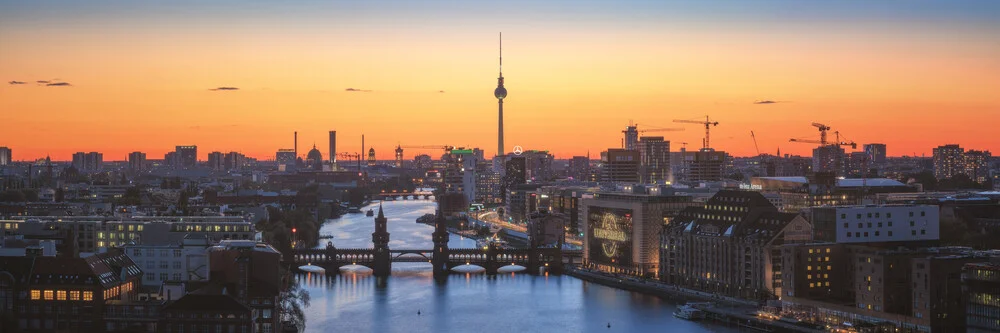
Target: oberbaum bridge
(380, 258)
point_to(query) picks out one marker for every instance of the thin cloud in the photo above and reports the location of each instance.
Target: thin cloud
(767, 101)
(58, 84)
(357, 90)
(441, 91)
(224, 88)
(42, 82)
(16, 82)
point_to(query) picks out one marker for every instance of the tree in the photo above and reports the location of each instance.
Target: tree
(292, 301)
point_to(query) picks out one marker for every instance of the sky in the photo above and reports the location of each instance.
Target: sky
(123, 76)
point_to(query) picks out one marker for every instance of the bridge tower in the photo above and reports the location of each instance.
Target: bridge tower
(380, 238)
(440, 236)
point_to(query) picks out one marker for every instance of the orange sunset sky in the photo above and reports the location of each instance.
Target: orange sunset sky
(140, 75)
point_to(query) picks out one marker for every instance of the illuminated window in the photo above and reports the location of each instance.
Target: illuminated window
(827, 250)
(811, 285)
(827, 283)
(809, 268)
(48, 295)
(810, 251)
(827, 258)
(36, 295)
(74, 295)
(88, 295)
(61, 295)
(828, 267)
(809, 277)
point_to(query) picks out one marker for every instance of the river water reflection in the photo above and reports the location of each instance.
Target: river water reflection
(469, 302)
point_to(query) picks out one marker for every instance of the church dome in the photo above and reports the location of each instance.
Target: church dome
(314, 159)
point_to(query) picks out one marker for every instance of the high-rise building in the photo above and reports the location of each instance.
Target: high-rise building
(876, 151)
(949, 161)
(371, 157)
(620, 166)
(631, 137)
(538, 165)
(170, 159)
(235, 161)
(488, 189)
(6, 156)
(216, 161)
(514, 174)
(858, 164)
(977, 165)
(285, 159)
(980, 289)
(423, 162)
(460, 172)
(187, 156)
(90, 162)
(828, 158)
(579, 168)
(654, 156)
(705, 165)
(137, 161)
(333, 147)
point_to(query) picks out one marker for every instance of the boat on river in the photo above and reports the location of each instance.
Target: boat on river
(688, 312)
(371, 212)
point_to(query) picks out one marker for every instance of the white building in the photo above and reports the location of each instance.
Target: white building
(186, 261)
(876, 223)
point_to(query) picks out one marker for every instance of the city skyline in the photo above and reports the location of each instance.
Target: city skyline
(244, 78)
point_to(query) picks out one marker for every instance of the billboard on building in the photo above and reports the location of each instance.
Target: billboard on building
(610, 236)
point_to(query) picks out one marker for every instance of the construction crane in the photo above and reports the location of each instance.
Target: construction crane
(838, 143)
(755, 143)
(352, 155)
(708, 124)
(822, 132)
(670, 129)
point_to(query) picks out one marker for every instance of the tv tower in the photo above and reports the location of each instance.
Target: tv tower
(500, 94)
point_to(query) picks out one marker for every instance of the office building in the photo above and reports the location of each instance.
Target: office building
(578, 168)
(949, 161)
(170, 159)
(187, 156)
(620, 166)
(333, 148)
(631, 139)
(488, 189)
(65, 293)
(88, 162)
(731, 245)
(828, 158)
(877, 153)
(285, 159)
(216, 161)
(6, 156)
(977, 165)
(654, 156)
(858, 164)
(817, 271)
(137, 161)
(235, 161)
(546, 229)
(876, 224)
(423, 162)
(186, 260)
(460, 172)
(252, 272)
(93, 232)
(981, 290)
(537, 165)
(622, 230)
(705, 165)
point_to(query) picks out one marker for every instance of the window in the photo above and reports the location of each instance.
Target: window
(150, 264)
(163, 253)
(163, 276)
(150, 277)
(809, 277)
(876, 233)
(890, 233)
(848, 234)
(48, 295)
(923, 231)
(88, 295)
(880, 224)
(857, 234)
(267, 313)
(911, 214)
(36, 295)
(890, 223)
(911, 223)
(869, 224)
(859, 216)
(177, 265)
(866, 234)
(136, 252)
(843, 216)
(177, 276)
(861, 225)
(869, 215)
(888, 215)
(913, 232)
(74, 295)
(164, 265)
(177, 253)
(846, 225)
(61, 295)
(923, 213)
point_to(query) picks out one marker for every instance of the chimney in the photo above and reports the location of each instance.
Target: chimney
(296, 144)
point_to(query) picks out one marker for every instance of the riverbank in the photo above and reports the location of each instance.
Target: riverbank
(730, 311)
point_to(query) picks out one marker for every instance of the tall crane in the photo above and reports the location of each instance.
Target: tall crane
(839, 143)
(822, 132)
(352, 155)
(708, 124)
(755, 143)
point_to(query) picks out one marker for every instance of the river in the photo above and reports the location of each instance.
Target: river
(469, 302)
